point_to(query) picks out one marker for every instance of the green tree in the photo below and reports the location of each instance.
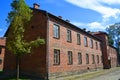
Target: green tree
(18, 19)
(110, 40)
(114, 33)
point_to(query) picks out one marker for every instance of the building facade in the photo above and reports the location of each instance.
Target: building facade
(109, 52)
(68, 49)
(2, 52)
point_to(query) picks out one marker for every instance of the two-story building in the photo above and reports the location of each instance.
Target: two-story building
(68, 50)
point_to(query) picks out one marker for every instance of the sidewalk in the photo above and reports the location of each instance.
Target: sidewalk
(89, 75)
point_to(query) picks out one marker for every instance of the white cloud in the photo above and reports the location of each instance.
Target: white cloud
(97, 6)
(93, 26)
(110, 2)
(107, 12)
(96, 25)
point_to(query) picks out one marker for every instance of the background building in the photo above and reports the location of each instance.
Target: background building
(109, 52)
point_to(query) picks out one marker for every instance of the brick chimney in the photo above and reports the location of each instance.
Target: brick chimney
(60, 17)
(36, 6)
(67, 20)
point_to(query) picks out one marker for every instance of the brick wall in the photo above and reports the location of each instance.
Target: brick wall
(109, 52)
(65, 46)
(34, 63)
(113, 56)
(2, 52)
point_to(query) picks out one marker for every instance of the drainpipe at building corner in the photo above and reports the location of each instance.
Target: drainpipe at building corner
(47, 46)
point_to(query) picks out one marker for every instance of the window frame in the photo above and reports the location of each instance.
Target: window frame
(96, 43)
(69, 35)
(85, 41)
(56, 57)
(98, 60)
(87, 58)
(93, 59)
(56, 31)
(70, 58)
(79, 58)
(78, 39)
(91, 43)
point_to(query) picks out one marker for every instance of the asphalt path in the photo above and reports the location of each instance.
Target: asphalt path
(115, 75)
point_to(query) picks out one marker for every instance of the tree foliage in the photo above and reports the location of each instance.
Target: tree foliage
(19, 18)
(110, 40)
(114, 33)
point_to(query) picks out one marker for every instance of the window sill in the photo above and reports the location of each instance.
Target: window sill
(56, 64)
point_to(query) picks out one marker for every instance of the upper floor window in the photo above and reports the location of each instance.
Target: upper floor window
(79, 58)
(56, 31)
(70, 57)
(78, 39)
(87, 59)
(69, 38)
(96, 45)
(85, 41)
(91, 43)
(56, 56)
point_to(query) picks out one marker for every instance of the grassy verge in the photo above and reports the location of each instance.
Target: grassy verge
(15, 79)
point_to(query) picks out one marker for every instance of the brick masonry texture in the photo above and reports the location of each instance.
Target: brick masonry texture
(2, 52)
(41, 61)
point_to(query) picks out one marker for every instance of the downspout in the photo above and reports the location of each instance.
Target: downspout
(47, 48)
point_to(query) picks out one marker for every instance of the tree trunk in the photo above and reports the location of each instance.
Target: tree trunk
(17, 67)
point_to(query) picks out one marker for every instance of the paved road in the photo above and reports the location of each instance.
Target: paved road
(110, 76)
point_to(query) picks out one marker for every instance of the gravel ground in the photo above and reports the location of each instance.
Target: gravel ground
(109, 76)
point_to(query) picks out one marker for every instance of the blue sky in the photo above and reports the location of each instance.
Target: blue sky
(94, 15)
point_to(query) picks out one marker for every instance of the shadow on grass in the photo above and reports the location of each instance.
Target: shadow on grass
(13, 77)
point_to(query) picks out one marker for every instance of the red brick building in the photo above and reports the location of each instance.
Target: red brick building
(68, 50)
(109, 52)
(2, 52)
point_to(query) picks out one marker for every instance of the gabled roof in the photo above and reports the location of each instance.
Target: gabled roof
(49, 15)
(99, 32)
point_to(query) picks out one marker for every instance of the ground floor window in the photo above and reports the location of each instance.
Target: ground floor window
(87, 59)
(56, 56)
(79, 58)
(70, 57)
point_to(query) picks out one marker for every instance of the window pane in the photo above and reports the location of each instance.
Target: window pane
(93, 59)
(70, 58)
(69, 39)
(56, 31)
(78, 38)
(87, 59)
(85, 41)
(97, 59)
(56, 56)
(96, 45)
(91, 43)
(79, 58)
